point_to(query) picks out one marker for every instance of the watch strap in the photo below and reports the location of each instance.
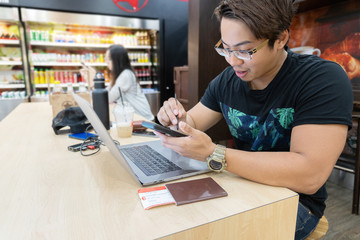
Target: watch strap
(218, 155)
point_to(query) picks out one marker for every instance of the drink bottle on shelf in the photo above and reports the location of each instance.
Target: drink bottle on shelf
(36, 76)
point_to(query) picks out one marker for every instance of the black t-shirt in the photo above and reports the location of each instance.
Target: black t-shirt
(306, 90)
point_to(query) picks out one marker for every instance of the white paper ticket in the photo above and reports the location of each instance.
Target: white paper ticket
(155, 196)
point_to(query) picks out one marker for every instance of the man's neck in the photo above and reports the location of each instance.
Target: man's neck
(262, 83)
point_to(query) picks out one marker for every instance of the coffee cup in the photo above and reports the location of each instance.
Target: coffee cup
(124, 116)
(307, 50)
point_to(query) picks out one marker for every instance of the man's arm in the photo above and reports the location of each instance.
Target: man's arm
(199, 117)
(202, 118)
(313, 152)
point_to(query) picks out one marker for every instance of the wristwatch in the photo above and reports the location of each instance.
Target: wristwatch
(216, 161)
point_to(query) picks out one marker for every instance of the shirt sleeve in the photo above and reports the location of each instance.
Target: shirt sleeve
(216, 87)
(326, 98)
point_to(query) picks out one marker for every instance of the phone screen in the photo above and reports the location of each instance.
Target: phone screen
(162, 129)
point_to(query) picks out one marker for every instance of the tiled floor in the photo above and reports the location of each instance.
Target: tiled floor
(342, 224)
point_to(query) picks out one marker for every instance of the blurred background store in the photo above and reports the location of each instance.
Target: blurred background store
(44, 42)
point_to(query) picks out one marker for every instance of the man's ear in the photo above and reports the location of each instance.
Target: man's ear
(282, 40)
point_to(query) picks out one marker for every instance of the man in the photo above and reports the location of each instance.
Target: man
(288, 113)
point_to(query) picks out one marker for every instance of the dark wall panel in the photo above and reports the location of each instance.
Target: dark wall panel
(204, 63)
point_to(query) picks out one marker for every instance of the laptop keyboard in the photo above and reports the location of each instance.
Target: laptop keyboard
(148, 160)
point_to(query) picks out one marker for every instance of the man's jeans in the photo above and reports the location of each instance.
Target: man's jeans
(306, 222)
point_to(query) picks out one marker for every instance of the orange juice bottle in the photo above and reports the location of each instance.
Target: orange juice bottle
(52, 76)
(101, 58)
(47, 76)
(36, 76)
(41, 76)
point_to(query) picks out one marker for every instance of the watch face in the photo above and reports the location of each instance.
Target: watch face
(215, 165)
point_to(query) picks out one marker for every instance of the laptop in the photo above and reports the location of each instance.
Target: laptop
(147, 162)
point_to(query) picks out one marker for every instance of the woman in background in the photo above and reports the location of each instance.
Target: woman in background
(123, 77)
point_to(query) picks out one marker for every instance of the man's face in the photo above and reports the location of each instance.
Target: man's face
(235, 35)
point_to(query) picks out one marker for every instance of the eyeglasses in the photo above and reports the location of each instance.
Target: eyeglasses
(241, 54)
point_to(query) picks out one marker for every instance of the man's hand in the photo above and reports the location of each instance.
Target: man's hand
(197, 145)
(168, 112)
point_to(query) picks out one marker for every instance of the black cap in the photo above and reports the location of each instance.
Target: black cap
(72, 117)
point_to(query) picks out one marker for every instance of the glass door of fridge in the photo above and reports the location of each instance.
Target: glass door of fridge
(13, 89)
(60, 43)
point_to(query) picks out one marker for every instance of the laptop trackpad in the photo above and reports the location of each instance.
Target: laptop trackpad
(182, 162)
(187, 163)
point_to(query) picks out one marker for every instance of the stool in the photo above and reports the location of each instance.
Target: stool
(320, 230)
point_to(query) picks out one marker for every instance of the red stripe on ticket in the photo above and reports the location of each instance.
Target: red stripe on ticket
(143, 190)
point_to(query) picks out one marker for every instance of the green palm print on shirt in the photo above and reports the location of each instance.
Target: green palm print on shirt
(270, 132)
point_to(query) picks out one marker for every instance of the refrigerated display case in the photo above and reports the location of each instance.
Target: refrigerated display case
(13, 89)
(60, 42)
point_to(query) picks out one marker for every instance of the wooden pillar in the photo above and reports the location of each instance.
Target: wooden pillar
(204, 63)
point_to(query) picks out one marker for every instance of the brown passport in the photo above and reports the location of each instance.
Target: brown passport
(195, 190)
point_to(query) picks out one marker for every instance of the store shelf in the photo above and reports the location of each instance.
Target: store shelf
(42, 85)
(12, 63)
(137, 47)
(62, 64)
(45, 85)
(141, 64)
(57, 64)
(10, 41)
(59, 48)
(39, 98)
(145, 82)
(11, 86)
(4, 100)
(81, 45)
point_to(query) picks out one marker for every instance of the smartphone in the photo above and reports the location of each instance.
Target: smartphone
(144, 133)
(82, 136)
(162, 129)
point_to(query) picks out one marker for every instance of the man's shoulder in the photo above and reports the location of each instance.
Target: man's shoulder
(309, 67)
(310, 62)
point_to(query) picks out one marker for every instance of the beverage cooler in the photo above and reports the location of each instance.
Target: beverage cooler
(13, 87)
(58, 43)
